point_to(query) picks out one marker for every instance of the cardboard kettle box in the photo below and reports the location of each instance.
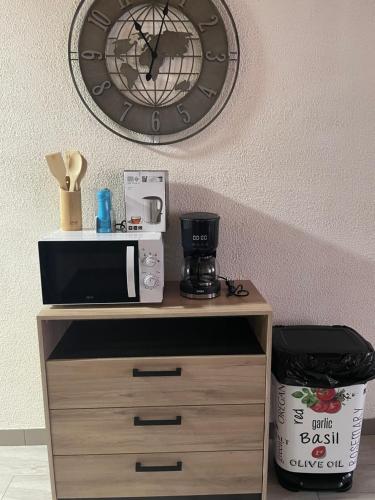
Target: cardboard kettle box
(146, 200)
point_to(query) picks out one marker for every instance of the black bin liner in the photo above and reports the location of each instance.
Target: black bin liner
(326, 357)
(321, 356)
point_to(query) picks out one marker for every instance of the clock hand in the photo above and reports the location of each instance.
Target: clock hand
(154, 53)
(165, 13)
(138, 28)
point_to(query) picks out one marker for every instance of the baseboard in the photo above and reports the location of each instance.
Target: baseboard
(37, 437)
(23, 437)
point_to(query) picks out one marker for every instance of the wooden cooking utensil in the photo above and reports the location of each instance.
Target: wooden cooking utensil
(74, 168)
(57, 168)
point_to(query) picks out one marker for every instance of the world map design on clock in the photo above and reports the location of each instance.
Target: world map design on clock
(128, 58)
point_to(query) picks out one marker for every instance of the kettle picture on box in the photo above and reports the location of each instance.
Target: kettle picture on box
(146, 200)
(152, 209)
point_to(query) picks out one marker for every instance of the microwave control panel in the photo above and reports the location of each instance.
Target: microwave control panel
(151, 271)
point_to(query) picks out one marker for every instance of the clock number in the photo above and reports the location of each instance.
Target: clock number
(213, 22)
(207, 92)
(125, 3)
(99, 19)
(186, 118)
(156, 121)
(99, 89)
(128, 107)
(92, 55)
(210, 56)
(182, 3)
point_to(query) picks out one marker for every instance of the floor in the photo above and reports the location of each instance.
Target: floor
(24, 476)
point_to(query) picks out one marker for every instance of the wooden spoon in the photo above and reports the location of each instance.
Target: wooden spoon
(57, 168)
(74, 169)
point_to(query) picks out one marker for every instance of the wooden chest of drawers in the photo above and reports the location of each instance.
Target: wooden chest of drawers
(159, 401)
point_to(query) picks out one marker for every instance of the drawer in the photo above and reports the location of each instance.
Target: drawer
(171, 381)
(167, 474)
(151, 430)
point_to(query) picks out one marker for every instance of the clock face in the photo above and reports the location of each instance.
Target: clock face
(152, 71)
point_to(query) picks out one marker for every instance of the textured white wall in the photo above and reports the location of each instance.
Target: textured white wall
(289, 166)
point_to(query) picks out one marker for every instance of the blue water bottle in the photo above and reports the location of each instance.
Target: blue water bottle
(104, 212)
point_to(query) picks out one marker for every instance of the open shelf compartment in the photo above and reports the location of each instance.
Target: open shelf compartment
(210, 336)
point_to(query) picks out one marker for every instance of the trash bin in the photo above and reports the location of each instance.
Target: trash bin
(319, 390)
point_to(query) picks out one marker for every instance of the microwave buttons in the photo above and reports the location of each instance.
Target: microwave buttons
(150, 281)
(150, 261)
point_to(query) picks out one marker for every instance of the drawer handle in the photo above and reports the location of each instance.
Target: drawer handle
(172, 373)
(138, 422)
(158, 468)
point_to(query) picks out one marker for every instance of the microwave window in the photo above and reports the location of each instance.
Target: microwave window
(85, 272)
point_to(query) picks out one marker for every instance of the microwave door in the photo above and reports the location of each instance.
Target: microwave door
(89, 272)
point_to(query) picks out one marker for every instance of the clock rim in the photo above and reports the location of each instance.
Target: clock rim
(164, 143)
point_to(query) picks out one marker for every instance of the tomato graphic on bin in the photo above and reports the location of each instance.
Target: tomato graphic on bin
(320, 406)
(325, 394)
(334, 406)
(322, 400)
(319, 452)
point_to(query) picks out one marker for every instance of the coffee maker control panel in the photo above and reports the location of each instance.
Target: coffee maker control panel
(200, 241)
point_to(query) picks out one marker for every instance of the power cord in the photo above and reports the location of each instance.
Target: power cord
(121, 227)
(233, 289)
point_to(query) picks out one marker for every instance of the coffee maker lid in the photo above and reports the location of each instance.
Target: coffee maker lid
(199, 216)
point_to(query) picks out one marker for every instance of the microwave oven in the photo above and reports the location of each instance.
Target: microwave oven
(86, 267)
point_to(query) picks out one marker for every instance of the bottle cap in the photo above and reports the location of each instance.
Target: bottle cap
(103, 194)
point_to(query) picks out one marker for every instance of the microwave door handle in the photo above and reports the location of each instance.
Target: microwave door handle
(130, 271)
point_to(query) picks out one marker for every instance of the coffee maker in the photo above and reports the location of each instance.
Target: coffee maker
(200, 238)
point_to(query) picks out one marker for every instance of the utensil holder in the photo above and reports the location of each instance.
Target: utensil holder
(70, 210)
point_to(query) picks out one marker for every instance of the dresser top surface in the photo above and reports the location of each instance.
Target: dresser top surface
(173, 306)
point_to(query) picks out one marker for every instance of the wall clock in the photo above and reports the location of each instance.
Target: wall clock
(154, 71)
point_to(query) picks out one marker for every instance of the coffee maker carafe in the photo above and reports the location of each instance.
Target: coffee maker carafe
(200, 238)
